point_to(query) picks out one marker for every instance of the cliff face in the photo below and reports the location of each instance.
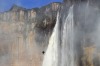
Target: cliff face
(24, 34)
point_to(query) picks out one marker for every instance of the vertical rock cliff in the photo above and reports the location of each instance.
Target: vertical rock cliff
(24, 34)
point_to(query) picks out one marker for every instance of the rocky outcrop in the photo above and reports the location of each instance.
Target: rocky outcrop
(24, 34)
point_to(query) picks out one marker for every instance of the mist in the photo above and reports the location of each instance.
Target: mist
(79, 36)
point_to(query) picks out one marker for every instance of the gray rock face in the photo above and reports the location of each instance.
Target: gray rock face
(24, 34)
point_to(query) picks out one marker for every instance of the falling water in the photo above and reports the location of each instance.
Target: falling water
(52, 57)
(67, 40)
(76, 41)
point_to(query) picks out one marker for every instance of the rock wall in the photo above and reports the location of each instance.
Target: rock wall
(24, 34)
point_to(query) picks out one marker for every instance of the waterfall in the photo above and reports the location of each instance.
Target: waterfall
(67, 40)
(75, 40)
(52, 57)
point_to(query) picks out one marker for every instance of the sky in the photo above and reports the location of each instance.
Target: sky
(5, 5)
